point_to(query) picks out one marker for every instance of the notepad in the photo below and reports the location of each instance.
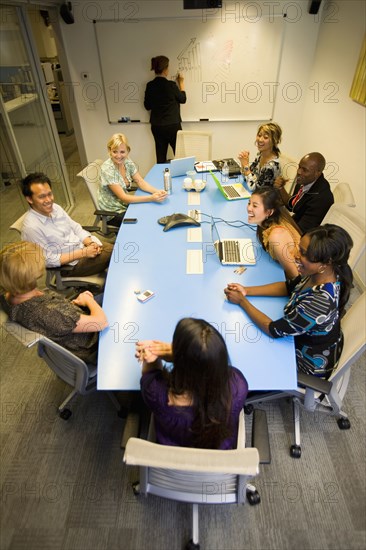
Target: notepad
(194, 235)
(194, 264)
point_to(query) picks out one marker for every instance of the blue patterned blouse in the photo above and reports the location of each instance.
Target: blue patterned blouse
(312, 317)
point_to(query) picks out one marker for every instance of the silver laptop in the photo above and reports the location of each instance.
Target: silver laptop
(232, 251)
(231, 191)
(179, 167)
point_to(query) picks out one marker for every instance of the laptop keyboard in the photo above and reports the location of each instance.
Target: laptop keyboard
(231, 251)
(231, 191)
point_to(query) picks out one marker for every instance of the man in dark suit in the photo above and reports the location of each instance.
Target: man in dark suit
(312, 196)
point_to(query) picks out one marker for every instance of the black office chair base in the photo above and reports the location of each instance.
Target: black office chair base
(343, 423)
(295, 451)
(65, 414)
(192, 545)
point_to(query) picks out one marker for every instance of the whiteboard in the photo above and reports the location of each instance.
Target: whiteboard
(230, 68)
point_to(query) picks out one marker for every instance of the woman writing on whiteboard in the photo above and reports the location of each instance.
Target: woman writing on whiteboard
(118, 174)
(266, 166)
(163, 98)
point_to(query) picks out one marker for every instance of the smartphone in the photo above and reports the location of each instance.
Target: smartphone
(144, 296)
(129, 220)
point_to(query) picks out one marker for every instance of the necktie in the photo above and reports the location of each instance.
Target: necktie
(298, 196)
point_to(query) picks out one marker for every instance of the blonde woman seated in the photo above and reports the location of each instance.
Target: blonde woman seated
(276, 231)
(46, 312)
(118, 173)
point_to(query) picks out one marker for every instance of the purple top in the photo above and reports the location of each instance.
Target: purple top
(172, 423)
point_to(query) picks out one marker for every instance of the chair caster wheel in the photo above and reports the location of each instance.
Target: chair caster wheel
(248, 409)
(123, 412)
(295, 451)
(65, 414)
(136, 488)
(343, 423)
(253, 497)
(192, 545)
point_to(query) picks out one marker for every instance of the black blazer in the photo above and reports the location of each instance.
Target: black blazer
(163, 98)
(310, 210)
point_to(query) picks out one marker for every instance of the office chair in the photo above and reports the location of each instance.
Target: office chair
(91, 176)
(55, 280)
(352, 222)
(317, 394)
(82, 377)
(197, 476)
(342, 193)
(194, 144)
(288, 167)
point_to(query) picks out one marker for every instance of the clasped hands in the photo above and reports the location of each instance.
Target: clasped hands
(83, 299)
(149, 351)
(93, 249)
(159, 196)
(235, 292)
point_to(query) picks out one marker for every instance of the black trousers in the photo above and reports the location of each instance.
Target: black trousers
(164, 136)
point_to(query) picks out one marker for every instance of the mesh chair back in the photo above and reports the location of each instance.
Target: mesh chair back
(194, 144)
(342, 193)
(91, 175)
(350, 220)
(67, 366)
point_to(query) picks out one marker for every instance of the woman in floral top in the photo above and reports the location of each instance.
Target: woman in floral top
(266, 166)
(317, 300)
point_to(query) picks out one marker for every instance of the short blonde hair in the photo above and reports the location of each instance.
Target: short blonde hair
(117, 140)
(21, 265)
(275, 131)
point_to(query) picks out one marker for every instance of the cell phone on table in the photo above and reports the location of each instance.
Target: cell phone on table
(145, 295)
(129, 220)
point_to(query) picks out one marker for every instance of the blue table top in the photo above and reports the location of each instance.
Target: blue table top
(145, 257)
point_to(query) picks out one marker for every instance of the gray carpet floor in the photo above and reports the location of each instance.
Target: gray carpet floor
(65, 487)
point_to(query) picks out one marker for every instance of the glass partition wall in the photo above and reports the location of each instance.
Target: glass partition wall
(29, 136)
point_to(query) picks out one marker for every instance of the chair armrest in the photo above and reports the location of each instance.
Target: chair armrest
(260, 436)
(64, 267)
(91, 228)
(104, 213)
(314, 383)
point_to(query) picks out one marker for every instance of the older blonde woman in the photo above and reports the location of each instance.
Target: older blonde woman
(118, 173)
(67, 323)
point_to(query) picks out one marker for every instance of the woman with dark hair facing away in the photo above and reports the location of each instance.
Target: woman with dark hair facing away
(265, 168)
(163, 98)
(317, 300)
(72, 324)
(276, 231)
(197, 402)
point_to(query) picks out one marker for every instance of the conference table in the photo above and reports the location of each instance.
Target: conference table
(146, 257)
